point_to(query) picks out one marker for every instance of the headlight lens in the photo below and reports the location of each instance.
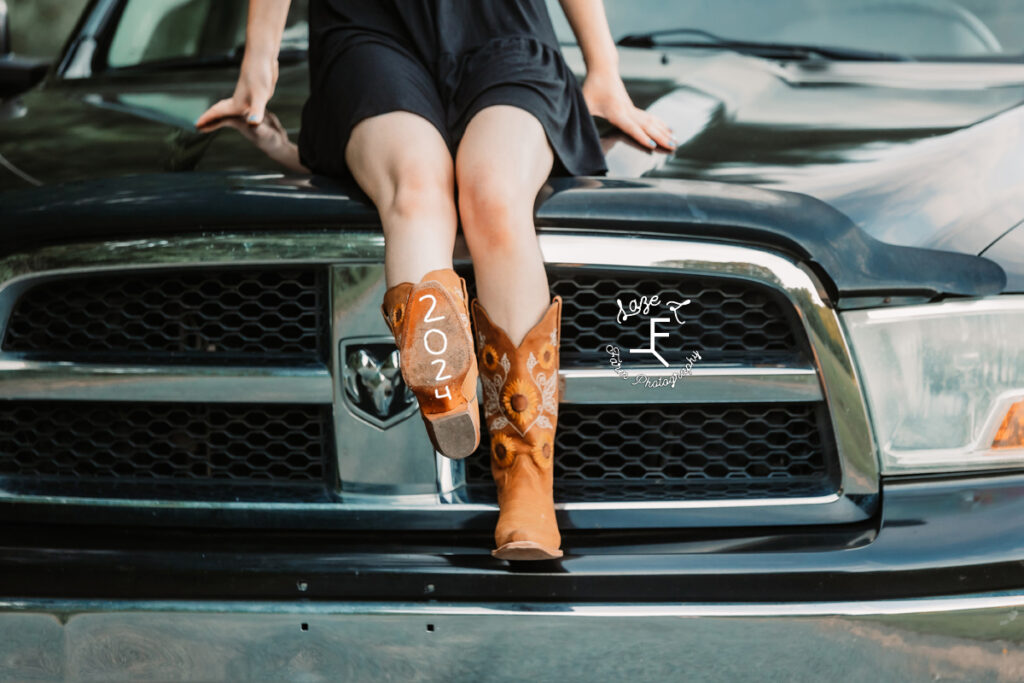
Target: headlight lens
(944, 382)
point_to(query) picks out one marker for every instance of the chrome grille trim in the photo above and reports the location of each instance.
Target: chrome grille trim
(707, 384)
(30, 379)
(434, 483)
(942, 604)
(35, 380)
(425, 502)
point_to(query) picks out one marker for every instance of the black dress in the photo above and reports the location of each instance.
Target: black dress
(444, 60)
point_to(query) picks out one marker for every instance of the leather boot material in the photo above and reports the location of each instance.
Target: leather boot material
(431, 325)
(520, 394)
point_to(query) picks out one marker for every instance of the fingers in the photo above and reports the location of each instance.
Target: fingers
(221, 109)
(250, 132)
(656, 129)
(660, 131)
(275, 123)
(231, 122)
(629, 123)
(661, 135)
(256, 111)
(648, 130)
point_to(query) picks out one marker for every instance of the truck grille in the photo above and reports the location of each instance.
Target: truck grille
(629, 452)
(639, 452)
(262, 371)
(175, 316)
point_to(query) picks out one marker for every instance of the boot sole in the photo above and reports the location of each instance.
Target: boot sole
(454, 433)
(525, 550)
(420, 370)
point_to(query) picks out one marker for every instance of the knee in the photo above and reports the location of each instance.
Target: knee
(491, 208)
(421, 189)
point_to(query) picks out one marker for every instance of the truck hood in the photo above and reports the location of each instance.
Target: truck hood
(855, 268)
(923, 155)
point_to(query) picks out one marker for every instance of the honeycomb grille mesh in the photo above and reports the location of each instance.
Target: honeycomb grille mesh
(133, 442)
(724, 316)
(643, 452)
(180, 315)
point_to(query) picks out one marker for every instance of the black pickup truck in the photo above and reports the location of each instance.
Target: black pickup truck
(210, 470)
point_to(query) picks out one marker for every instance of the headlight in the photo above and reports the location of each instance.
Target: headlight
(944, 382)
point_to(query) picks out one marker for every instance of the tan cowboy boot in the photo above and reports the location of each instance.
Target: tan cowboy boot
(520, 387)
(431, 326)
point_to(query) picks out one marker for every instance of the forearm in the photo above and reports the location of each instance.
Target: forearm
(265, 26)
(590, 25)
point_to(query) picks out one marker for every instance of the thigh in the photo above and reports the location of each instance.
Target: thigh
(504, 150)
(359, 77)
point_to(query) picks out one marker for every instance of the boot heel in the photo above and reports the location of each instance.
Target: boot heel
(455, 433)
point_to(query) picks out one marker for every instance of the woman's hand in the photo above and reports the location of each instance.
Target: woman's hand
(270, 137)
(606, 97)
(255, 87)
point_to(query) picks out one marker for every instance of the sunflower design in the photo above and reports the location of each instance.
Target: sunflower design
(546, 356)
(397, 314)
(503, 449)
(541, 453)
(520, 401)
(489, 357)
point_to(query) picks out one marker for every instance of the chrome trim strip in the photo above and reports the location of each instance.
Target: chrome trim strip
(420, 503)
(698, 504)
(706, 384)
(931, 605)
(198, 250)
(32, 380)
(448, 472)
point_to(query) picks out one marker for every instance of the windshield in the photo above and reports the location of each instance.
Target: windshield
(155, 31)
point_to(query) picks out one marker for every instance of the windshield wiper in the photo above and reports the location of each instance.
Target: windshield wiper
(768, 50)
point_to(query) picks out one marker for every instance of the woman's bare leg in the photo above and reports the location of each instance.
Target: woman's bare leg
(503, 160)
(412, 184)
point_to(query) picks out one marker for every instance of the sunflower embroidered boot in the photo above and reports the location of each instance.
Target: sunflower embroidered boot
(431, 326)
(520, 393)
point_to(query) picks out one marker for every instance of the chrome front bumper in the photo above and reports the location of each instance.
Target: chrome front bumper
(970, 637)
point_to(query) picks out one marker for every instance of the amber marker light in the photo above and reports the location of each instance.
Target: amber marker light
(1011, 431)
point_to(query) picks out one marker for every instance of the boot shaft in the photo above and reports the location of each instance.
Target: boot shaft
(520, 382)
